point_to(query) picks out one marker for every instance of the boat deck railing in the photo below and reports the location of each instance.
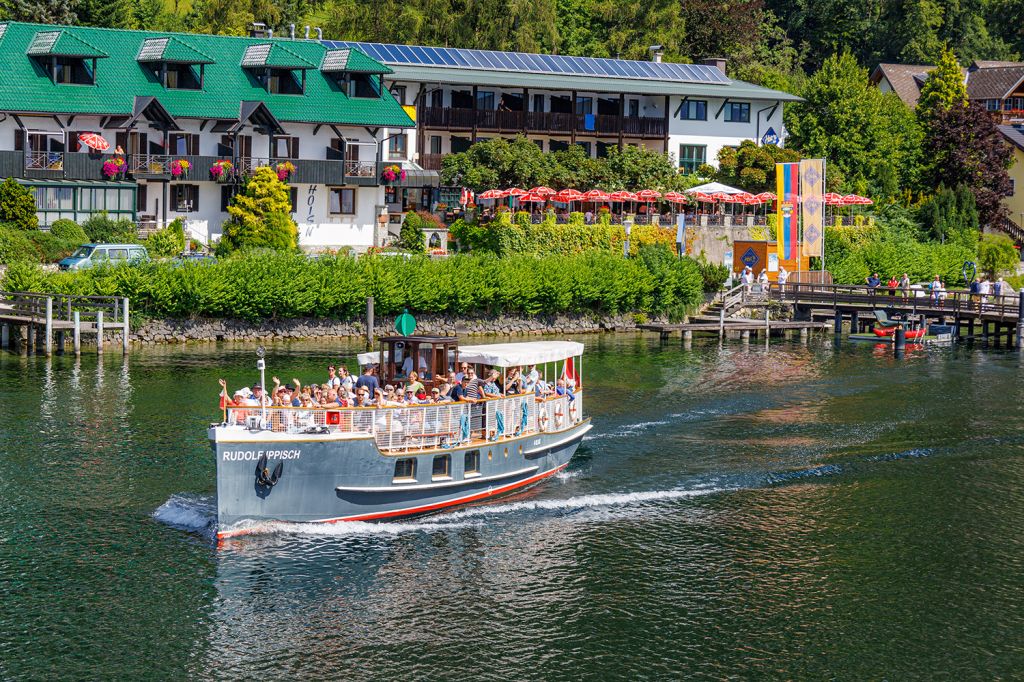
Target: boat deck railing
(421, 427)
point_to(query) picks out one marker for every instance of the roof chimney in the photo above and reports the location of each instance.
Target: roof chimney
(657, 51)
(305, 32)
(291, 31)
(717, 62)
(319, 33)
(257, 29)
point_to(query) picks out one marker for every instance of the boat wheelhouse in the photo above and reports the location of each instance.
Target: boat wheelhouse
(304, 464)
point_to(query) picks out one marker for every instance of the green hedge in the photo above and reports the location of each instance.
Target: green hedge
(507, 235)
(269, 285)
(33, 246)
(851, 254)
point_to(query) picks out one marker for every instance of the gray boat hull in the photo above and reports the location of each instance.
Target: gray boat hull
(334, 477)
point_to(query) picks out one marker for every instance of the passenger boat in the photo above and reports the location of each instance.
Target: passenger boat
(374, 463)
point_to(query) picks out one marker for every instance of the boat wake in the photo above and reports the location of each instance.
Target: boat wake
(198, 514)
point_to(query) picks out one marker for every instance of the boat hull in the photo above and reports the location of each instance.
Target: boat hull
(344, 478)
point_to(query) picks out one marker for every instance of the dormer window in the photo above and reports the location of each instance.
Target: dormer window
(175, 63)
(65, 58)
(355, 74)
(278, 69)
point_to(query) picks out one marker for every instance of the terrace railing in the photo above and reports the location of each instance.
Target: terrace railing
(541, 122)
(422, 427)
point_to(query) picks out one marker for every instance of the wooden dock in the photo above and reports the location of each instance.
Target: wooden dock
(744, 327)
(46, 318)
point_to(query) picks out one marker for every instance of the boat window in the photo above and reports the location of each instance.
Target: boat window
(472, 462)
(405, 469)
(442, 466)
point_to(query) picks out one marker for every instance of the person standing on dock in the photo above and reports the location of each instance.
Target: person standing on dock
(892, 284)
(783, 277)
(905, 286)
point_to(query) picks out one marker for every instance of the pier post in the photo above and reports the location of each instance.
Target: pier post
(30, 331)
(78, 333)
(837, 323)
(901, 338)
(124, 327)
(804, 333)
(5, 335)
(745, 335)
(99, 331)
(369, 323)
(1020, 321)
(970, 328)
(854, 322)
(48, 339)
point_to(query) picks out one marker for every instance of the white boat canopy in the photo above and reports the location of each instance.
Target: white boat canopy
(516, 354)
(502, 354)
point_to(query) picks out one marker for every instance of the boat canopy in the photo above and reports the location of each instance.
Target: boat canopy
(516, 354)
(502, 354)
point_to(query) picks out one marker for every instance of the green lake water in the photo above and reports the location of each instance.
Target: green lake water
(808, 512)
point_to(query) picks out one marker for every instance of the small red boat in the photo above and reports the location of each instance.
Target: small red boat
(889, 331)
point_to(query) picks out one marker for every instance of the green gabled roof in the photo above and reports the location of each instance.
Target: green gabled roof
(120, 78)
(171, 49)
(351, 61)
(3, 29)
(273, 55)
(61, 43)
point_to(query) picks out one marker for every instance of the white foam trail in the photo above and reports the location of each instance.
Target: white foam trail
(627, 430)
(343, 528)
(585, 501)
(567, 475)
(188, 513)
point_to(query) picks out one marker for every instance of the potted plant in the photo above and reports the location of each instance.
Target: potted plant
(179, 168)
(285, 169)
(114, 168)
(221, 170)
(393, 173)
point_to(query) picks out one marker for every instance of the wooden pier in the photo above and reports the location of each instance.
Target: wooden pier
(47, 319)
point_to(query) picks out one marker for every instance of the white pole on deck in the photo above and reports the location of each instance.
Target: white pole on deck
(78, 333)
(124, 327)
(99, 331)
(48, 341)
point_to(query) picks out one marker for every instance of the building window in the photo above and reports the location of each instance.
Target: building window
(343, 200)
(185, 198)
(484, 100)
(697, 110)
(181, 77)
(293, 196)
(397, 147)
(737, 112)
(71, 70)
(437, 98)
(286, 147)
(538, 102)
(361, 85)
(634, 108)
(183, 144)
(226, 192)
(692, 157)
(442, 467)
(285, 82)
(992, 104)
(472, 462)
(435, 144)
(398, 91)
(584, 105)
(462, 99)
(405, 469)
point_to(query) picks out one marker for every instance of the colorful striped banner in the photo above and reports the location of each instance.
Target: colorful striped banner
(787, 223)
(812, 205)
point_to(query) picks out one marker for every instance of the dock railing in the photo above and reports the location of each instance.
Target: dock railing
(65, 312)
(958, 302)
(422, 427)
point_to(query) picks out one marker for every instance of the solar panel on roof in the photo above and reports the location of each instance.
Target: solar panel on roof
(535, 63)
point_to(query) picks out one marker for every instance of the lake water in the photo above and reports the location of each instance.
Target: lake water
(801, 512)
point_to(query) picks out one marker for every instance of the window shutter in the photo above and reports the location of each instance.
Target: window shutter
(193, 146)
(295, 147)
(140, 198)
(19, 140)
(193, 194)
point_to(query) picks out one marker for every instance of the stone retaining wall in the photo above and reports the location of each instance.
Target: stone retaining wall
(200, 330)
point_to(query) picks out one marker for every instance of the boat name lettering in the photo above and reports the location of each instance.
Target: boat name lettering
(253, 455)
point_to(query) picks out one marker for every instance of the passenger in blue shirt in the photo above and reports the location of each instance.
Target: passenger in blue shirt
(368, 381)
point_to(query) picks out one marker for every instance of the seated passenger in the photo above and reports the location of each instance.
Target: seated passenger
(414, 384)
(491, 388)
(563, 389)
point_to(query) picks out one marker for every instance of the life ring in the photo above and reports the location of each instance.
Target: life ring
(542, 420)
(558, 419)
(572, 411)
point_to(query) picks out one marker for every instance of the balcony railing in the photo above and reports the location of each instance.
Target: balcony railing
(431, 161)
(52, 165)
(541, 122)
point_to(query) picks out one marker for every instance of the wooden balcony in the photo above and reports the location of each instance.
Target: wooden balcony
(546, 122)
(52, 165)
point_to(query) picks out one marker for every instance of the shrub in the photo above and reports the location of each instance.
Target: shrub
(274, 284)
(410, 236)
(712, 274)
(17, 205)
(168, 241)
(68, 230)
(260, 216)
(50, 248)
(101, 228)
(15, 246)
(996, 254)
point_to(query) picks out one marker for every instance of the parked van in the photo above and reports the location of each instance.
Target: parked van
(88, 255)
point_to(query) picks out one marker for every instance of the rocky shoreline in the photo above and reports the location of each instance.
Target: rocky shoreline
(170, 331)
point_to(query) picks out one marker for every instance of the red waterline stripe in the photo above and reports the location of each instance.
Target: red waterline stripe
(416, 510)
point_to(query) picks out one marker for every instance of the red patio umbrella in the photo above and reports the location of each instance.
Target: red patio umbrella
(833, 199)
(619, 196)
(94, 141)
(491, 194)
(514, 192)
(675, 197)
(542, 191)
(568, 195)
(766, 196)
(532, 198)
(595, 195)
(864, 201)
(648, 195)
(849, 200)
